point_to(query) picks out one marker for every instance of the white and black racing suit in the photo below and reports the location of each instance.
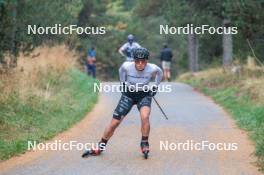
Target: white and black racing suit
(136, 83)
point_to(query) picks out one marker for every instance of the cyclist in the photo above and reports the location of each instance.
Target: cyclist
(127, 49)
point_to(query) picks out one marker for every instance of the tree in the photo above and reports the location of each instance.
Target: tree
(227, 46)
(183, 13)
(16, 15)
(193, 52)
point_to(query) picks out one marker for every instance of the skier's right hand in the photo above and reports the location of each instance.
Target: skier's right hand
(153, 90)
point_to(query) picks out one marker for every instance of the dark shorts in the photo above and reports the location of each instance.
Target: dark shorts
(127, 101)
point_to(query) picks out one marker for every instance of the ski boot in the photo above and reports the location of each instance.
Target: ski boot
(145, 149)
(94, 152)
(91, 152)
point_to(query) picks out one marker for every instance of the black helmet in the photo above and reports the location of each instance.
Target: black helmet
(141, 53)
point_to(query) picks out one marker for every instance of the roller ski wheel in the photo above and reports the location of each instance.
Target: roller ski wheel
(91, 152)
(145, 154)
(145, 149)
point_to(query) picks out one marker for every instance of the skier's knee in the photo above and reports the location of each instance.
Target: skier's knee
(114, 125)
(145, 119)
(117, 116)
(144, 115)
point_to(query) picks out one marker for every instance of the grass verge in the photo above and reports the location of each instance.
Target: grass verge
(240, 95)
(40, 115)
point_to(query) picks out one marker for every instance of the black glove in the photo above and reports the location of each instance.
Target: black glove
(153, 91)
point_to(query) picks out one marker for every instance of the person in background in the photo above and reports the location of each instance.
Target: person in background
(127, 49)
(165, 58)
(90, 62)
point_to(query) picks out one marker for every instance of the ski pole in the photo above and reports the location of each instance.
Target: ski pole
(160, 108)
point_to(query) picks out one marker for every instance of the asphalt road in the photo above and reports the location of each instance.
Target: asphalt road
(193, 117)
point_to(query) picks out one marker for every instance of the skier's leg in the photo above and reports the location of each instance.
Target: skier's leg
(144, 107)
(110, 129)
(145, 125)
(124, 106)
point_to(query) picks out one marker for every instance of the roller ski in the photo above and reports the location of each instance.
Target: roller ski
(94, 152)
(145, 149)
(91, 152)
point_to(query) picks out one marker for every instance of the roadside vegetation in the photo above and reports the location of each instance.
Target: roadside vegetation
(241, 94)
(43, 96)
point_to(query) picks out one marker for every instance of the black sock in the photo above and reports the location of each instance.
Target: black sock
(104, 141)
(144, 138)
(102, 144)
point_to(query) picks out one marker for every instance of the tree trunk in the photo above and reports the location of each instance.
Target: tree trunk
(193, 52)
(227, 46)
(2, 33)
(13, 35)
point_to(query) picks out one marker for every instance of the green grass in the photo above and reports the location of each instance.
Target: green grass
(248, 114)
(38, 118)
